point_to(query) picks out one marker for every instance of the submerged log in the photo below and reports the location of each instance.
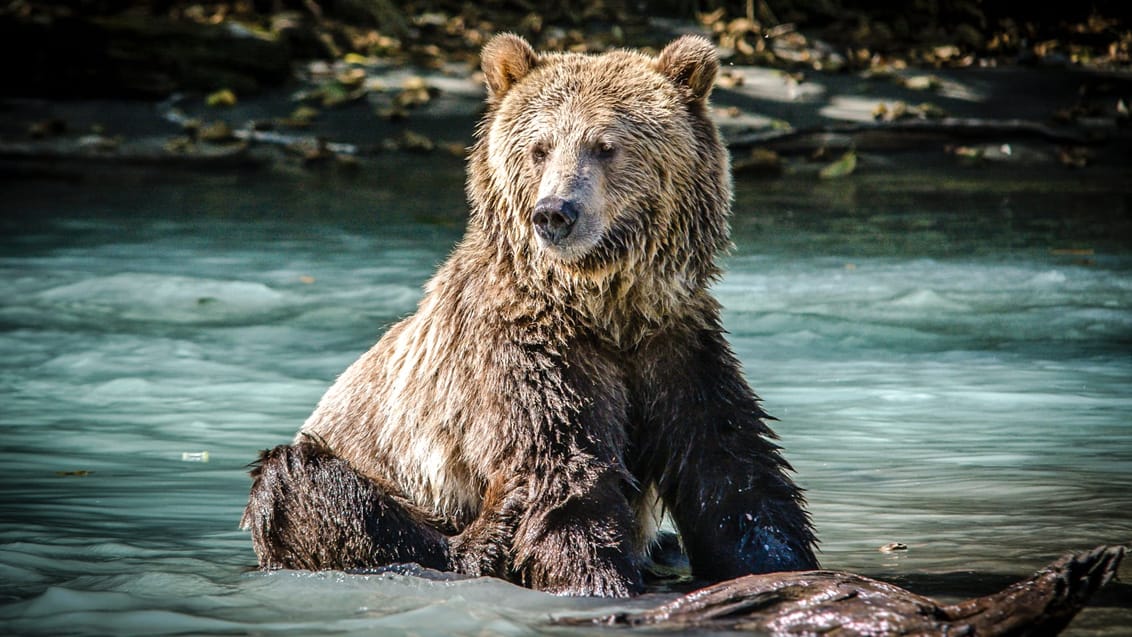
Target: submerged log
(844, 604)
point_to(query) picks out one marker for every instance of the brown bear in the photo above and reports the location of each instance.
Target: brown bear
(565, 378)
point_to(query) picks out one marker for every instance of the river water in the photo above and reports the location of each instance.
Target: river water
(949, 358)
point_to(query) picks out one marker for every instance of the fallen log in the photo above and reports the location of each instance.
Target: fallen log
(846, 605)
(912, 130)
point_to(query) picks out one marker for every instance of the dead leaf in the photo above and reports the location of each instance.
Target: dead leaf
(100, 143)
(335, 94)
(843, 167)
(416, 142)
(217, 132)
(301, 117)
(969, 153)
(50, 127)
(922, 83)
(356, 58)
(946, 52)
(928, 110)
(351, 78)
(729, 79)
(1073, 156)
(221, 99)
(761, 161)
(456, 149)
(179, 145)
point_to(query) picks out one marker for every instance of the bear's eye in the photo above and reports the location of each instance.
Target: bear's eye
(605, 150)
(538, 153)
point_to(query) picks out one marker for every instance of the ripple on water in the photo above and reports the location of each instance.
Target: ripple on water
(973, 405)
(165, 299)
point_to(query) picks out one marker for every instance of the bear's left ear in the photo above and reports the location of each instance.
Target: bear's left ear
(506, 59)
(692, 62)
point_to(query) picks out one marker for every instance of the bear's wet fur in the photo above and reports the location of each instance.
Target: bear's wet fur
(565, 378)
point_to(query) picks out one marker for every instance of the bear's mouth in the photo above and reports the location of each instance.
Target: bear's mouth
(595, 248)
(616, 242)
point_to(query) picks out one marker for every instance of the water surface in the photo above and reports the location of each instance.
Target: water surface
(948, 357)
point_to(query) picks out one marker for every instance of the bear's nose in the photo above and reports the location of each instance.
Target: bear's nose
(553, 218)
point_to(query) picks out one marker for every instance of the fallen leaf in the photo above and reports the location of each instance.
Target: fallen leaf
(351, 78)
(80, 473)
(947, 52)
(931, 111)
(416, 142)
(355, 58)
(843, 167)
(49, 127)
(966, 152)
(1073, 156)
(221, 99)
(761, 161)
(179, 144)
(921, 82)
(100, 143)
(218, 132)
(729, 79)
(335, 94)
(301, 116)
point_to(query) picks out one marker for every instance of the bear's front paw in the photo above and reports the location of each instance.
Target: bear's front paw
(472, 555)
(614, 577)
(766, 549)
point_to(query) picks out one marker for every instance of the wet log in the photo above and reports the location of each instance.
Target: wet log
(844, 604)
(911, 132)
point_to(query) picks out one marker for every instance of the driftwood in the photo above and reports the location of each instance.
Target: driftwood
(846, 605)
(140, 153)
(912, 129)
(170, 113)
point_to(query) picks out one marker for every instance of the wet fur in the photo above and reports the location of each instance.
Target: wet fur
(526, 417)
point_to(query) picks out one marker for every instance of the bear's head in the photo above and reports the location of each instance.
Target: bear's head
(592, 167)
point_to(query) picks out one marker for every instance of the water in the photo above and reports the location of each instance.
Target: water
(948, 355)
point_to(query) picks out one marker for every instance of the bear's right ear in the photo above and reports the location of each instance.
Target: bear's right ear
(506, 59)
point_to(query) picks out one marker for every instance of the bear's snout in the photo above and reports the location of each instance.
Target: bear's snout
(553, 219)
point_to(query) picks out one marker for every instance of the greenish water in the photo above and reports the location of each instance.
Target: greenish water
(949, 358)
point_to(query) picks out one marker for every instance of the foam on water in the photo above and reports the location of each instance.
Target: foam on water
(965, 393)
(162, 298)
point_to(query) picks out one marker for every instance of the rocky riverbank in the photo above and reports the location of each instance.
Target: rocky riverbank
(191, 95)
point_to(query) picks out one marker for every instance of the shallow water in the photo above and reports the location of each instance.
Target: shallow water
(948, 358)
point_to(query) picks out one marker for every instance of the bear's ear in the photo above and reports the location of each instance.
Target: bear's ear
(506, 59)
(692, 62)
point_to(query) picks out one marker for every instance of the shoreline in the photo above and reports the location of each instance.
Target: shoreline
(777, 124)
